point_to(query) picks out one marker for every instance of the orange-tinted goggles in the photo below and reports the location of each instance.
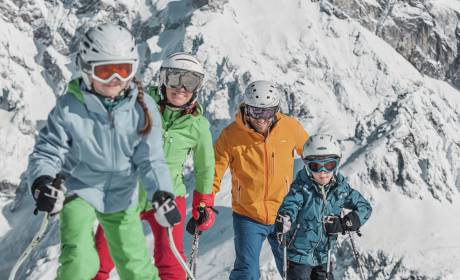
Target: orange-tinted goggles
(106, 72)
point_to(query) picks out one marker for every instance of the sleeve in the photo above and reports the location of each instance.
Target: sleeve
(292, 202)
(356, 202)
(203, 158)
(301, 137)
(222, 160)
(149, 159)
(51, 147)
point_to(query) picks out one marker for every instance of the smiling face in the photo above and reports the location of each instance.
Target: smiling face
(112, 89)
(178, 97)
(260, 125)
(322, 178)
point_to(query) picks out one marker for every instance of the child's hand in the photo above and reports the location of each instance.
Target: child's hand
(282, 225)
(336, 224)
(165, 209)
(333, 225)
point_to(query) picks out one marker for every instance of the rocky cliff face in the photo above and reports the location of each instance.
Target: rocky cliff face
(426, 33)
(386, 100)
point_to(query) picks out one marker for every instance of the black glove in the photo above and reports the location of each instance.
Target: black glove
(333, 224)
(350, 222)
(282, 226)
(48, 194)
(336, 224)
(165, 208)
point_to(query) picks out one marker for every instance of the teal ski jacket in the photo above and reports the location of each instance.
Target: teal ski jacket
(306, 207)
(99, 151)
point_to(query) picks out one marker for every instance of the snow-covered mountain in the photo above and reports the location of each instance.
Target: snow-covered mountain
(382, 75)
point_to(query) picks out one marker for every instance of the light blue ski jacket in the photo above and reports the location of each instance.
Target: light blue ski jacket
(100, 152)
(305, 205)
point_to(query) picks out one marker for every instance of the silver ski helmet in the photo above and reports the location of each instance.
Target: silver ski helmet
(109, 43)
(181, 69)
(321, 146)
(182, 61)
(261, 94)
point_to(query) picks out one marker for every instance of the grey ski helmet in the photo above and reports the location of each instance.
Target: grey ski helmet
(261, 94)
(106, 42)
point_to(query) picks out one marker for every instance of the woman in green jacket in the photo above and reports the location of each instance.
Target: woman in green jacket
(185, 131)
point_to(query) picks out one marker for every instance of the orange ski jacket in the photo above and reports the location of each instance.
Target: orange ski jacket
(261, 168)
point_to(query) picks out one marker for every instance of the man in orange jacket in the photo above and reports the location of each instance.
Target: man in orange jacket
(259, 147)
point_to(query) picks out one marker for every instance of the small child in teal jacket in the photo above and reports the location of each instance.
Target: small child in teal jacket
(311, 214)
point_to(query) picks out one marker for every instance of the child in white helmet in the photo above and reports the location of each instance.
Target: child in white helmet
(101, 137)
(310, 216)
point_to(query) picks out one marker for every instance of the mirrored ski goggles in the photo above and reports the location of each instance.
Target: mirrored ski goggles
(322, 165)
(177, 79)
(104, 72)
(261, 113)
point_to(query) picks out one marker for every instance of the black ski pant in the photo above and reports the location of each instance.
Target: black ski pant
(298, 271)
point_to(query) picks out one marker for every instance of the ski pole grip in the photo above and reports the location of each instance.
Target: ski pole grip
(201, 207)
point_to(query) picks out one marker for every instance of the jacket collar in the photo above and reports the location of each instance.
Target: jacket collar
(94, 104)
(336, 182)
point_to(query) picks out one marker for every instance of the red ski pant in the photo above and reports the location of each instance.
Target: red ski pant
(167, 264)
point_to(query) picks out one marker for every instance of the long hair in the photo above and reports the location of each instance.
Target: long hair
(147, 116)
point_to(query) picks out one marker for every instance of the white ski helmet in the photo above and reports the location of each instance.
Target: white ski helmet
(106, 42)
(321, 145)
(183, 61)
(261, 94)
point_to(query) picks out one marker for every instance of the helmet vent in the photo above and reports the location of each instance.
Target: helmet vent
(94, 50)
(86, 45)
(88, 38)
(99, 28)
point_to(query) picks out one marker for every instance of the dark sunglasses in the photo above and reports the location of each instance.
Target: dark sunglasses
(261, 113)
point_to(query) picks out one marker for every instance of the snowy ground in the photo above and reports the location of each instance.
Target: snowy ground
(338, 77)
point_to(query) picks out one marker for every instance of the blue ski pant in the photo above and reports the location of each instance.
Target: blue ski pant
(248, 240)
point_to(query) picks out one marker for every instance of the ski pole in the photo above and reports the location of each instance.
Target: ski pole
(196, 237)
(355, 253)
(57, 182)
(284, 257)
(173, 247)
(329, 258)
(38, 236)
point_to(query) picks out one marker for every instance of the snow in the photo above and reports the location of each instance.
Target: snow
(398, 128)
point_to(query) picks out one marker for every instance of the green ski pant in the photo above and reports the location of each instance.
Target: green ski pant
(125, 238)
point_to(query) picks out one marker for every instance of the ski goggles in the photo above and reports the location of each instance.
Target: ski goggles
(261, 113)
(177, 79)
(322, 165)
(104, 72)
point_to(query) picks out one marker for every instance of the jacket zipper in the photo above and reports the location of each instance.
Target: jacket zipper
(273, 166)
(324, 199)
(239, 191)
(112, 131)
(266, 171)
